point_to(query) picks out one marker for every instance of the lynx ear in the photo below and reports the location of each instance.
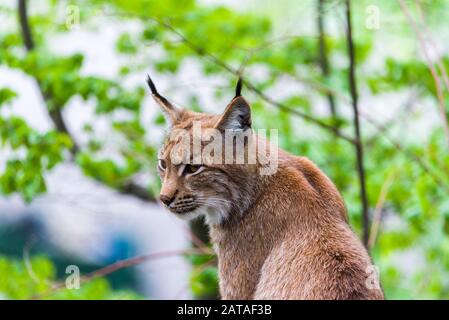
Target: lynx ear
(237, 115)
(172, 113)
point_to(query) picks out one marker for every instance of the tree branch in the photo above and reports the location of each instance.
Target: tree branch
(56, 115)
(382, 133)
(358, 138)
(323, 58)
(201, 52)
(125, 263)
(24, 25)
(430, 65)
(137, 191)
(379, 208)
(440, 64)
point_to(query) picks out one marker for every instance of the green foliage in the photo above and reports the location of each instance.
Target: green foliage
(33, 154)
(204, 277)
(6, 95)
(36, 278)
(416, 210)
(107, 171)
(204, 282)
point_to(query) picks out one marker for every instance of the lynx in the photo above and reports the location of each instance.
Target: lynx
(283, 235)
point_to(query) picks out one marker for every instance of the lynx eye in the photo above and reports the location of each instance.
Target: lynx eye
(190, 169)
(162, 165)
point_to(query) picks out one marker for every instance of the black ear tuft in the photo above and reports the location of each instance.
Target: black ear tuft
(156, 94)
(238, 88)
(152, 86)
(169, 110)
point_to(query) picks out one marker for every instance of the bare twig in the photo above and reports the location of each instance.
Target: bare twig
(379, 208)
(252, 51)
(323, 58)
(28, 264)
(55, 113)
(381, 131)
(430, 65)
(236, 72)
(405, 110)
(302, 115)
(440, 65)
(140, 259)
(126, 263)
(137, 191)
(436, 177)
(25, 27)
(358, 138)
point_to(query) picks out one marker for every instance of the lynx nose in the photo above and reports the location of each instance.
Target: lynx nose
(167, 200)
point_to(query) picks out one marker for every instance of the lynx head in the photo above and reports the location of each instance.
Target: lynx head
(199, 173)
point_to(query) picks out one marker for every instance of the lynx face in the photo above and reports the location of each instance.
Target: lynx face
(189, 190)
(191, 184)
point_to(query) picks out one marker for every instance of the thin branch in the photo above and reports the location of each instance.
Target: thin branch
(379, 208)
(323, 58)
(55, 114)
(121, 264)
(440, 65)
(381, 132)
(137, 191)
(296, 112)
(125, 263)
(358, 138)
(436, 177)
(28, 264)
(430, 65)
(250, 52)
(25, 27)
(202, 52)
(406, 109)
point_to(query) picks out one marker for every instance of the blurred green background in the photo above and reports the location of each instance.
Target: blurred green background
(294, 58)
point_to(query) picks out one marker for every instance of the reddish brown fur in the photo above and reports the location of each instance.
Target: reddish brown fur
(287, 237)
(294, 242)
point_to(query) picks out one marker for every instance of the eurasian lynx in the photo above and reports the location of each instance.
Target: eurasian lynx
(281, 235)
